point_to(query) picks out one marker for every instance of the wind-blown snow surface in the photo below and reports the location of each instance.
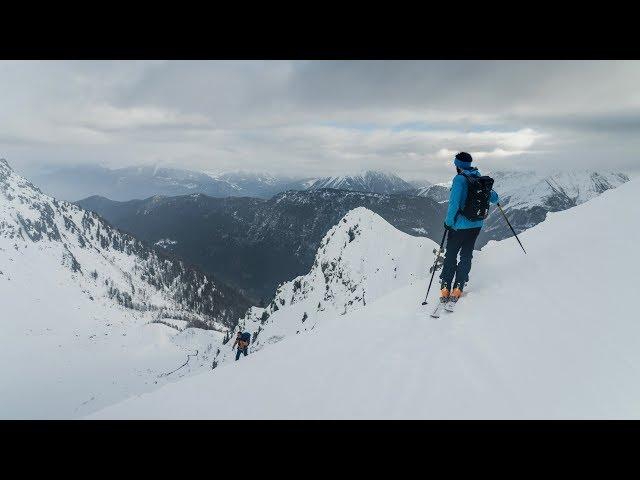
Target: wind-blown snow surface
(69, 343)
(551, 334)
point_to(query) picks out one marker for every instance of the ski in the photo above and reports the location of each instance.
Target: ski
(451, 305)
(436, 311)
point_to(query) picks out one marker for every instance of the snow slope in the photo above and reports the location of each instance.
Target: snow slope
(551, 334)
(77, 301)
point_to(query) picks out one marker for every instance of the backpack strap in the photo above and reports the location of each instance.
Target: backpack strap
(466, 177)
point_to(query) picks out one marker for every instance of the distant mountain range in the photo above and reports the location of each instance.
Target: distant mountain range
(527, 197)
(73, 183)
(259, 184)
(439, 192)
(368, 181)
(255, 244)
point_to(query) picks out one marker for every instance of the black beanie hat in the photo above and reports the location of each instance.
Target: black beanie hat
(464, 157)
(463, 161)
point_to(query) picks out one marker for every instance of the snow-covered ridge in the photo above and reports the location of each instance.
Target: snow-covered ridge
(357, 262)
(91, 315)
(105, 261)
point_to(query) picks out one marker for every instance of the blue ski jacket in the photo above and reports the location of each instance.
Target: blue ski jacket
(457, 197)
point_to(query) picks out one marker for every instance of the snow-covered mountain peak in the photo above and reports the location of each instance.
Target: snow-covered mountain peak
(90, 314)
(23, 202)
(9, 178)
(359, 225)
(367, 181)
(102, 261)
(357, 262)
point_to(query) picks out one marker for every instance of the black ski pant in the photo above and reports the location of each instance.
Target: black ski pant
(458, 241)
(244, 350)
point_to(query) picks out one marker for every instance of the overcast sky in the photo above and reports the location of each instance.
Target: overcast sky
(321, 117)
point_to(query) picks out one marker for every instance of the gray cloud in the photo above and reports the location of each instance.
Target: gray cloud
(320, 117)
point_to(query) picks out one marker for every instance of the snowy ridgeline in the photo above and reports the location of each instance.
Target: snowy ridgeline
(104, 261)
(89, 314)
(354, 265)
(535, 336)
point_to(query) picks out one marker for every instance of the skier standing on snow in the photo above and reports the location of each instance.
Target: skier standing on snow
(242, 340)
(464, 221)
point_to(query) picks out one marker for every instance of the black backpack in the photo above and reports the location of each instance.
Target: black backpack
(476, 206)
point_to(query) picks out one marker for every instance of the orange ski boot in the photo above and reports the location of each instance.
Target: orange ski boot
(453, 299)
(444, 298)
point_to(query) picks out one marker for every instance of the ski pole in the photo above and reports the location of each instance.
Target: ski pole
(434, 267)
(514, 232)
